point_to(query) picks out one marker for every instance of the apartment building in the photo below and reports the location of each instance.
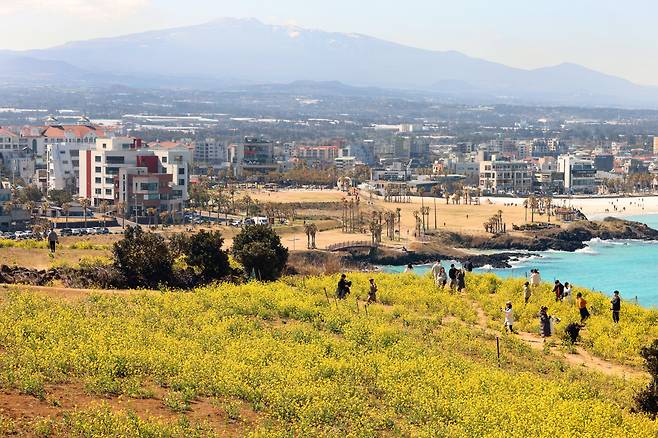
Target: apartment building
(252, 156)
(102, 166)
(63, 165)
(141, 188)
(315, 155)
(210, 152)
(579, 174)
(505, 177)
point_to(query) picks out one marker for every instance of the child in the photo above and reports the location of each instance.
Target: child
(582, 307)
(509, 317)
(372, 293)
(527, 293)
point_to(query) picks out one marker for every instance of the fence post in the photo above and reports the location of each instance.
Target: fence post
(498, 349)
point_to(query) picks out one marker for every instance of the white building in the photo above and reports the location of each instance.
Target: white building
(101, 165)
(579, 174)
(176, 162)
(505, 176)
(63, 165)
(210, 151)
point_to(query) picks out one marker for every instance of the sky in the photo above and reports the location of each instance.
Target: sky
(614, 37)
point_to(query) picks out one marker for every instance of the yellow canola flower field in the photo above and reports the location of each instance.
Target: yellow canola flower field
(415, 364)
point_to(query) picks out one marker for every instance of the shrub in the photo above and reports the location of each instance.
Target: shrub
(143, 258)
(258, 248)
(647, 399)
(203, 251)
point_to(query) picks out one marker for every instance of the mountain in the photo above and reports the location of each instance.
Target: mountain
(246, 51)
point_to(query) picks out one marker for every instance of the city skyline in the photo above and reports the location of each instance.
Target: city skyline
(599, 35)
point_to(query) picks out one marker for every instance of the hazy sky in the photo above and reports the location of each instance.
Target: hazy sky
(616, 37)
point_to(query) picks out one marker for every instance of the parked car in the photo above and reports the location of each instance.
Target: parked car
(65, 232)
(102, 230)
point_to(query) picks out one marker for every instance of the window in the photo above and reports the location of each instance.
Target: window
(97, 158)
(181, 171)
(104, 145)
(115, 160)
(151, 187)
(97, 191)
(181, 182)
(109, 180)
(108, 191)
(98, 169)
(98, 180)
(164, 159)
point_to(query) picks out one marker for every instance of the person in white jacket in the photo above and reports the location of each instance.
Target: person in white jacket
(509, 317)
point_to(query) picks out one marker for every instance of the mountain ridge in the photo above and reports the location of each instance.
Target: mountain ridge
(247, 51)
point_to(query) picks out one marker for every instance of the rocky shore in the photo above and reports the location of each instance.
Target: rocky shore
(455, 246)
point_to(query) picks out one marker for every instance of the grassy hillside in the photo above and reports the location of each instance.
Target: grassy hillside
(284, 359)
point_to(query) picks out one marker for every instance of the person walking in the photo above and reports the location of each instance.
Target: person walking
(544, 323)
(52, 240)
(372, 293)
(582, 307)
(442, 278)
(558, 289)
(527, 293)
(436, 268)
(616, 307)
(461, 280)
(452, 276)
(535, 278)
(409, 268)
(509, 317)
(568, 292)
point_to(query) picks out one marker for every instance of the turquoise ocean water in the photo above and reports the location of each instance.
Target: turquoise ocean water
(628, 266)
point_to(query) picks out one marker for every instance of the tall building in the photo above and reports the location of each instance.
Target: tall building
(655, 145)
(63, 165)
(102, 167)
(579, 174)
(253, 155)
(210, 152)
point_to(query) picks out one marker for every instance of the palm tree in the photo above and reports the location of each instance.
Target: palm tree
(121, 207)
(103, 207)
(29, 206)
(66, 208)
(85, 204)
(164, 216)
(151, 214)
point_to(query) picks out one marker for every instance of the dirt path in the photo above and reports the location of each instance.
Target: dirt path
(581, 357)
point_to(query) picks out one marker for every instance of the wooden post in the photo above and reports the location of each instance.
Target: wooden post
(498, 349)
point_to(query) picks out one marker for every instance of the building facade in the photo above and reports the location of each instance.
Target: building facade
(505, 177)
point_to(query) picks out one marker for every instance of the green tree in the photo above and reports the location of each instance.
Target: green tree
(143, 258)
(258, 248)
(205, 254)
(30, 194)
(59, 197)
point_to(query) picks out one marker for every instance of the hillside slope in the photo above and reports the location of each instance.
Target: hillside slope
(281, 358)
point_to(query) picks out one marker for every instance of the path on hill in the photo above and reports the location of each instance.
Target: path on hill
(581, 357)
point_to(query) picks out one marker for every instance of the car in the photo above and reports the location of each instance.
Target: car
(102, 230)
(91, 231)
(76, 232)
(65, 232)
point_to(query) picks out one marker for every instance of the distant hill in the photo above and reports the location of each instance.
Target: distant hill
(229, 52)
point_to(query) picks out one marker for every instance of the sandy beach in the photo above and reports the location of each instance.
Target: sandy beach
(598, 207)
